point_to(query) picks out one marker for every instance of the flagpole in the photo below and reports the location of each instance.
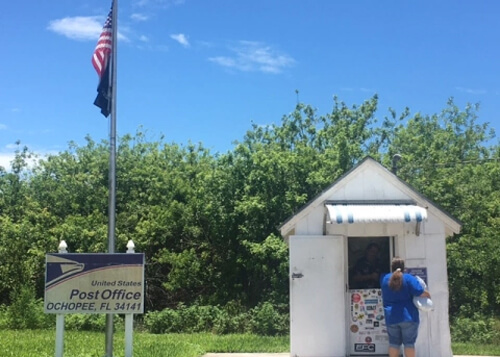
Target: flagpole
(112, 167)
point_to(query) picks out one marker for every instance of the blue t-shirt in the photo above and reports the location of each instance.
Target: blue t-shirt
(398, 305)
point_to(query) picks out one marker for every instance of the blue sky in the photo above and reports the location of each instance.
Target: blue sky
(204, 70)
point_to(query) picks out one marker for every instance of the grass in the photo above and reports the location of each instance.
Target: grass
(41, 343)
(460, 348)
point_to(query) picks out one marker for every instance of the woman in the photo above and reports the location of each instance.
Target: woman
(401, 315)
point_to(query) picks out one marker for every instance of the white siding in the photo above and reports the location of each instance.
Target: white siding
(317, 305)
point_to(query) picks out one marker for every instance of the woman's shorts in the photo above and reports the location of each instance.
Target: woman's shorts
(403, 333)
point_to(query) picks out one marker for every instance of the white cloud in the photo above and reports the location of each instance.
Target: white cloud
(224, 61)
(139, 17)
(206, 44)
(471, 90)
(181, 38)
(8, 154)
(254, 56)
(5, 159)
(80, 27)
(144, 38)
(3, 127)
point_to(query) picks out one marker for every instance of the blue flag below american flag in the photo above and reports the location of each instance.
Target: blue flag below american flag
(101, 60)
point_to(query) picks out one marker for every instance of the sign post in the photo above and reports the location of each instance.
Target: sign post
(98, 283)
(60, 317)
(129, 318)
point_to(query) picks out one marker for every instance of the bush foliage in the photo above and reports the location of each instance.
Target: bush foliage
(264, 319)
(26, 312)
(478, 329)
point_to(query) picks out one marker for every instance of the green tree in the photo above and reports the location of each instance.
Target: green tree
(22, 229)
(447, 157)
(208, 224)
(275, 170)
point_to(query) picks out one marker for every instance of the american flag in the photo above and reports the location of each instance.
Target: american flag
(104, 46)
(101, 61)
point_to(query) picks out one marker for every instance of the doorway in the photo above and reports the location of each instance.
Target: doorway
(368, 259)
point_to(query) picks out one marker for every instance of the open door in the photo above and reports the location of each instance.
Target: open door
(317, 290)
(368, 259)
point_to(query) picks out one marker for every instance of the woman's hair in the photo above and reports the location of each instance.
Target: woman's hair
(397, 267)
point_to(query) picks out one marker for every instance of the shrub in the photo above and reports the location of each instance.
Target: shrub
(479, 329)
(91, 322)
(199, 318)
(167, 320)
(25, 311)
(265, 319)
(4, 321)
(227, 323)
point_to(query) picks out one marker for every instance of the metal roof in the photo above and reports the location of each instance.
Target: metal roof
(377, 213)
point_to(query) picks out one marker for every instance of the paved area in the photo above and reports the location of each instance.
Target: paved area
(247, 355)
(271, 355)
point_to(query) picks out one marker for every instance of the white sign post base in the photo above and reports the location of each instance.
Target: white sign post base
(129, 318)
(60, 317)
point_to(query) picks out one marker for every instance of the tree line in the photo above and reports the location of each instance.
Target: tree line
(208, 223)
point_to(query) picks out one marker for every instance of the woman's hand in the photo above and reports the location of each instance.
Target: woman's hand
(426, 294)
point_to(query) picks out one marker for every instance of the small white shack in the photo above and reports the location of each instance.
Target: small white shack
(331, 314)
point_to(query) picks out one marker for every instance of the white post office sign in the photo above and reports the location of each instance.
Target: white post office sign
(94, 283)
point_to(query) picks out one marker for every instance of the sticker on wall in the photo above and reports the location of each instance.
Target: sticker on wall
(367, 318)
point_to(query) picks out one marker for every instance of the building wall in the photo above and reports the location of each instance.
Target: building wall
(427, 249)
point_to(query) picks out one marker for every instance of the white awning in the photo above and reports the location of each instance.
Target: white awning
(348, 214)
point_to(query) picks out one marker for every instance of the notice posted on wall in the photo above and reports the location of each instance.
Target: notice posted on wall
(94, 283)
(421, 272)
